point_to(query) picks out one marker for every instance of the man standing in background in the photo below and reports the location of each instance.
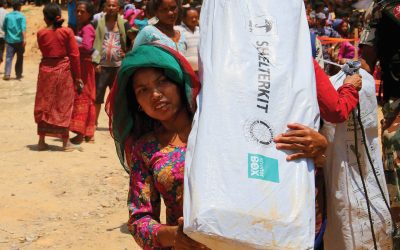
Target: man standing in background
(113, 37)
(15, 36)
(3, 13)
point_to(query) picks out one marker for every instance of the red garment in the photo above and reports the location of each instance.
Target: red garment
(60, 43)
(334, 105)
(54, 96)
(83, 119)
(55, 87)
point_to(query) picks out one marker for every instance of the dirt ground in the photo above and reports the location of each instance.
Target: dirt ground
(55, 199)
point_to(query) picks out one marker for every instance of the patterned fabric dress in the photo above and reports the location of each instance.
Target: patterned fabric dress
(84, 114)
(156, 171)
(55, 87)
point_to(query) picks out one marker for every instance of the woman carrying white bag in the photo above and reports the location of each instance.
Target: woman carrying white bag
(144, 189)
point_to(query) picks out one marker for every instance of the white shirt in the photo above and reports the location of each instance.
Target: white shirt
(3, 13)
(192, 41)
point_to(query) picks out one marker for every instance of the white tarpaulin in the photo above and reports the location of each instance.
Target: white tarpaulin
(257, 76)
(348, 224)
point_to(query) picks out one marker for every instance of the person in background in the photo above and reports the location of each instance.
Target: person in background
(320, 29)
(381, 41)
(59, 75)
(142, 19)
(190, 28)
(14, 27)
(100, 14)
(3, 14)
(113, 37)
(163, 31)
(346, 49)
(83, 121)
(72, 14)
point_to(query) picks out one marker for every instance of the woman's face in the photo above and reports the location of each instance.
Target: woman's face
(192, 19)
(82, 15)
(167, 13)
(344, 28)
(158, 97)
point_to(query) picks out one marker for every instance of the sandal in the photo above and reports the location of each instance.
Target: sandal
(77, 140)
(89, 139)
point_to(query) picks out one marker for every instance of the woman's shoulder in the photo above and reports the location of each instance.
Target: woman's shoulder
(88, 27)
(64, 31)
(42, 31)
(149, 28)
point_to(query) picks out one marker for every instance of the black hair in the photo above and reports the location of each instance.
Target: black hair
(16, 4)
(89, 7)
(52, 12)
(2, 3)
(155, 4)
(186, 10)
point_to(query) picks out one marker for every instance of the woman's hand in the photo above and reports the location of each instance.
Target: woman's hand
(97, 69)
(122, 54)
(79, 85)
(304, 141)
(183, 242)
(354, 80)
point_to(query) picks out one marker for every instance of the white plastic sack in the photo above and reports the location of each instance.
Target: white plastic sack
(257, 76)
(348, 225)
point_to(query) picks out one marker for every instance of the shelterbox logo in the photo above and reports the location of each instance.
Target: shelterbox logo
(263, 168)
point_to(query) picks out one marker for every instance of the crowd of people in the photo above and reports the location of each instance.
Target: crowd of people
(146, 53)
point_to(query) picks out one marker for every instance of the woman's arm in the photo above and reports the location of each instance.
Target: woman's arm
(335, 106)
(143, 203)
(144, 212)
(88, 36)
(144, 36)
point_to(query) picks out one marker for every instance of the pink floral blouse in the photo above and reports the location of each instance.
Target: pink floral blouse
(156, 171)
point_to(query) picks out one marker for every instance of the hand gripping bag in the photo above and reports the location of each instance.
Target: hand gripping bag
(348, 224)
(257, 76)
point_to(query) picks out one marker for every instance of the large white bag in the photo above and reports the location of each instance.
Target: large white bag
(257, 76)
(348, 225)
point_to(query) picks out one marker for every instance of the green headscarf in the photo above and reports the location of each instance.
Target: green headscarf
(126, 123)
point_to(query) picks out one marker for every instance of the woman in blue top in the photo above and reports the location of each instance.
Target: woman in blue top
(163, 31)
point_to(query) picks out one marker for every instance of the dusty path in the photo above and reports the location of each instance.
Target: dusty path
(55, 199)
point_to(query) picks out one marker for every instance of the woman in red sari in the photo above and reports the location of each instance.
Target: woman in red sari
(83, 121)
(59, 74)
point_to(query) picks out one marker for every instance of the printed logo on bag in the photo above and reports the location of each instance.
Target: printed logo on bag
(261, 26)
(263, 168)
(260, 132)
